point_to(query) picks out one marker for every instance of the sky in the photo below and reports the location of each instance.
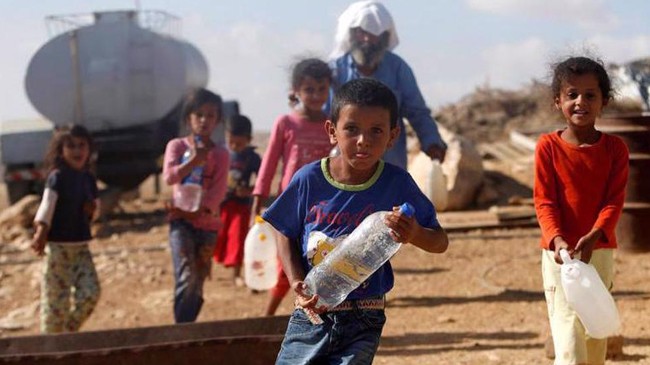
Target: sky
(453, 46)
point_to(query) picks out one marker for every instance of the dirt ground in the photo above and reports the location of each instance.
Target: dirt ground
(481, 302)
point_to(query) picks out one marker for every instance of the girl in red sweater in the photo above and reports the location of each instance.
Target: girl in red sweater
(580, 178)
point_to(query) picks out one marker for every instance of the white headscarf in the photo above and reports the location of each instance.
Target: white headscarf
(370, 16)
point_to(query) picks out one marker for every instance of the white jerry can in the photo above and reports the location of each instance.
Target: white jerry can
(588, 296)
(429, 177)
(260, 256)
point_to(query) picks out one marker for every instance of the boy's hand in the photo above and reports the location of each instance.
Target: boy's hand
(586, 244)
(304, 300)
(403, 228)
(560, 244)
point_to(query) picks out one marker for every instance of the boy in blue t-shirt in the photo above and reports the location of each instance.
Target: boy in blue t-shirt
(329, 198)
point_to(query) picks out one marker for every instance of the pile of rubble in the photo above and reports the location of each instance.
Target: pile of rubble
(489, 114)
(16, 224)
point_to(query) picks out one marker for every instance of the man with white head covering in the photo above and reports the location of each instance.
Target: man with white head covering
(365, 38)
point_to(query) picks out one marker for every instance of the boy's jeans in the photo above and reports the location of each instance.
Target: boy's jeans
(192, 250)
(346, 337)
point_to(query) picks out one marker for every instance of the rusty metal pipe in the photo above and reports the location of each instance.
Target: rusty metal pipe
(242, 341)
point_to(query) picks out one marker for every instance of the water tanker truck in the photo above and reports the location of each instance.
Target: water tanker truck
(121, 74)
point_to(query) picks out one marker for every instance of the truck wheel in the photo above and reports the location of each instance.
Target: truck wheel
(16, 190)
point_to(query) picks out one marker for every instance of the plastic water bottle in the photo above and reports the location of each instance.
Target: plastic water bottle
(260, 256)
(188, 194)
(589, 298)
(357, 257)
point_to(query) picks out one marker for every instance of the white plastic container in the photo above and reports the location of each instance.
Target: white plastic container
(430, 178)
(187, 197)
(589, 298)
(189, 193)
(260, 256)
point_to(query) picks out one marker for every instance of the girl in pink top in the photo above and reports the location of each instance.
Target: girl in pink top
(192, 235)
(296, 139)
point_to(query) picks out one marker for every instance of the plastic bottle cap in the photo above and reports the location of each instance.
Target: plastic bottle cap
(259, 219)
(198, 141)
(407, 209)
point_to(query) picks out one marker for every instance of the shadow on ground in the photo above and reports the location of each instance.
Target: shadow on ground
(123, 222)
(507, 295)
(437, 342)
(423, 271)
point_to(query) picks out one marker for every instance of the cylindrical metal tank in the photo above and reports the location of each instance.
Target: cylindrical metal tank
(112, 74)
(633, 229)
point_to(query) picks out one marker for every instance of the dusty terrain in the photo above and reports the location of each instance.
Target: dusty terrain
(479, 303)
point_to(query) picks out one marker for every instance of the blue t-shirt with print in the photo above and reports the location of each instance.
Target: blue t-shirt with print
(314, 202)
(242, 166)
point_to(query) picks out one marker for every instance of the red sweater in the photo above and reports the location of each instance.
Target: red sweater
(578, 189)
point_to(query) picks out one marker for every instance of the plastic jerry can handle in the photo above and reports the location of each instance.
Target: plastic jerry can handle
(566, 258)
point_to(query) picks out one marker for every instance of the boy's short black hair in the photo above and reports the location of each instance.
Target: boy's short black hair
(365, 92)
(239, 125)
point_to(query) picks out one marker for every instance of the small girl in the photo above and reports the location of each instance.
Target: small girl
(236, 208)
(192, 235)
(297, 139)
(580, 178)
(62, 232)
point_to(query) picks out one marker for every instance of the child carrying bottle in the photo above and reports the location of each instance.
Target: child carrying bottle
(70, 287)
(326, 200)
(580, 178)
(236, 208)
(296, 139)
(192, 234)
